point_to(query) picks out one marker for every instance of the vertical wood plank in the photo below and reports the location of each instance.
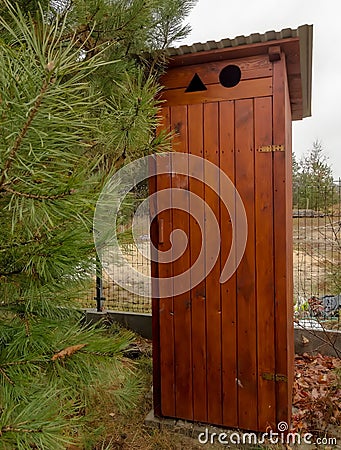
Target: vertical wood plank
(228, 289)
(282, 295)
(198, 294)
(182, 302)
(264, 263)
(289, 241)
(152, 184)
(246, 296)
(213, 301)
(166, 307)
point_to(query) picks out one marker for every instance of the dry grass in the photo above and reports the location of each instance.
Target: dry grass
(127, 431)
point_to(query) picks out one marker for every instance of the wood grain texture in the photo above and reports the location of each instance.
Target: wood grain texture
(246, 272)
(213, 301)
(198, 293)
(260, 87)
(152, 184)
(289, 242)
(264, 264)
(283, 341)
(251, 68)
(289, 46)
(216, 341)
(228, 289)
(166, 304)
(182, 302)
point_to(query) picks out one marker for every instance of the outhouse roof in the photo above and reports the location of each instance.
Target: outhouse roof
(295, 43)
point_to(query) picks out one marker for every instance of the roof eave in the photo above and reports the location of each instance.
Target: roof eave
(305, 33)
(297, 42)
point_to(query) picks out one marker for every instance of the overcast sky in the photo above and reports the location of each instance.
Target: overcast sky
(218, 19)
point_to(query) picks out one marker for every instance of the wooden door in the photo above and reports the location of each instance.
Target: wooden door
(223, 352)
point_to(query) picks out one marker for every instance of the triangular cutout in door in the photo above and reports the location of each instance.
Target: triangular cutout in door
(196, 85)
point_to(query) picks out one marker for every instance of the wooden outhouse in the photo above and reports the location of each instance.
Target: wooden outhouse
(223, 352)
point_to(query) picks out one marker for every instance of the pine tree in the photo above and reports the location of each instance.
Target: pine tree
(313, 180)
(78, 83)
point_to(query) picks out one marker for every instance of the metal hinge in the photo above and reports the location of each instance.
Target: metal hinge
(271, 148)
(274, 377)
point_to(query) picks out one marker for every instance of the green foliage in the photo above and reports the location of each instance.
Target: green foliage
(48, 177)
(77, 100)
(44, 397)
(313, 186)
(168, 22)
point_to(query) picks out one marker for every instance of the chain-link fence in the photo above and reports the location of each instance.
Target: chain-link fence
(317, 248)
(317, 258)
(110, 294)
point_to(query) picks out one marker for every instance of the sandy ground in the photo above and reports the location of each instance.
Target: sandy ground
(317, 253)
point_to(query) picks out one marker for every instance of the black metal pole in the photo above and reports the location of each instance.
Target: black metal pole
(99, 285)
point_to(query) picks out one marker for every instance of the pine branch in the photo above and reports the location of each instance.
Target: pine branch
(4, 374)
(20, 363)
(27, 327)
(10, 429)
(24, 130)
(36, 196)
(120, 160)
(130, 20)
(8, 274)
(5, 248)
(38, 237)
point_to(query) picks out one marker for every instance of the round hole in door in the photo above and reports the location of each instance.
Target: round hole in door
(230, 76)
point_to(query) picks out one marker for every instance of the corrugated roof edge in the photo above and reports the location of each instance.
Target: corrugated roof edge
(303, 32)
(253, 38)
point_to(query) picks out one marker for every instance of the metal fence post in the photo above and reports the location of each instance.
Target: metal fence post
(99, 285)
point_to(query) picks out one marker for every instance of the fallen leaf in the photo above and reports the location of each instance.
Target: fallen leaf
(323, 378)
(304, 340)
(314, 393)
